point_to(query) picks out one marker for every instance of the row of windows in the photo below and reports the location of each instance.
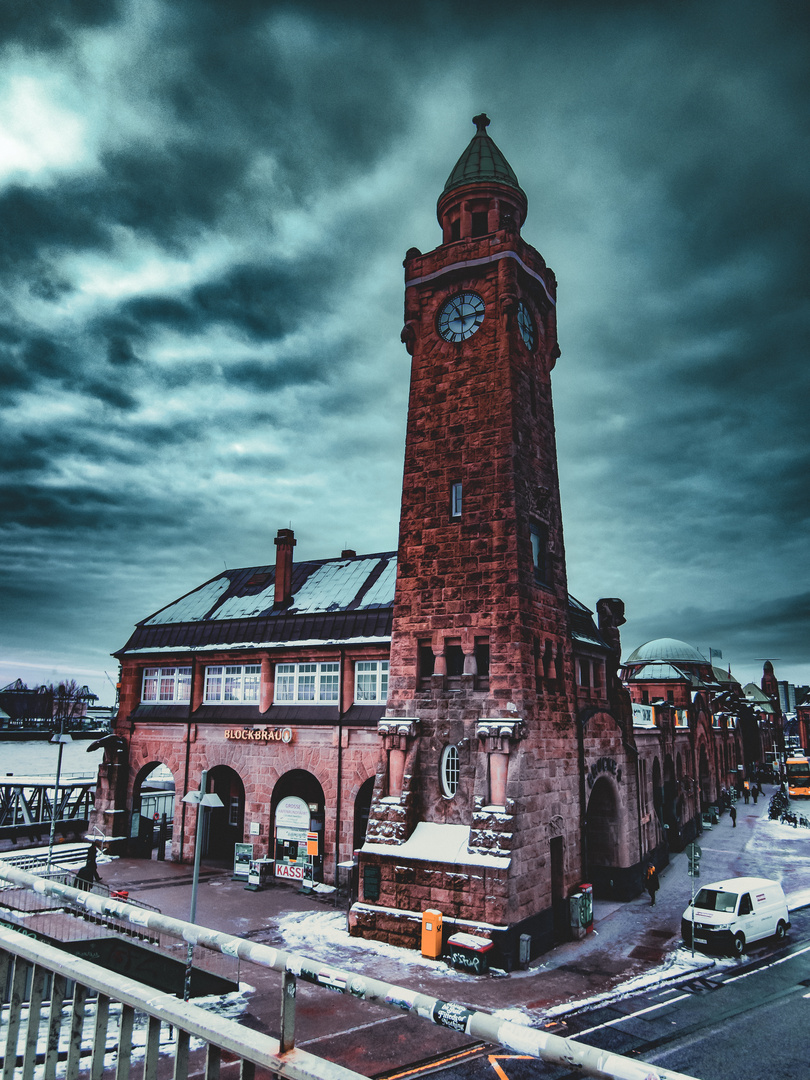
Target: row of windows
(315, 683)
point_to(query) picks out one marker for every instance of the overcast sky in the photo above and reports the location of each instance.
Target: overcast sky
(205, 208)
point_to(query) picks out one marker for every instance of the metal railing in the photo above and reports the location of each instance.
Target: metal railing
(62, 1010)
(63, 919)
(515, 1038)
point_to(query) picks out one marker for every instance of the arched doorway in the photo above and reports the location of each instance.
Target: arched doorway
(225, 824)
(362, 807)
(297, 809)
(602, 832)
(152, 809)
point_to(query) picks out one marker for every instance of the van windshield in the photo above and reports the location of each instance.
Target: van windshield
(714, 900)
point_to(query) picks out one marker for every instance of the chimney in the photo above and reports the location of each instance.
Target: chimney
(348, 553)
(285, 542)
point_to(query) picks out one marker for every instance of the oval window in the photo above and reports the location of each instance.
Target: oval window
(449, 770)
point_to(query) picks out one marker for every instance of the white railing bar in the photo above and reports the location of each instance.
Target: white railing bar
(602, 1064)
(252, 1046)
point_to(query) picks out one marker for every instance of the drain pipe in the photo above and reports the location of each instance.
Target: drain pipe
(338, 800)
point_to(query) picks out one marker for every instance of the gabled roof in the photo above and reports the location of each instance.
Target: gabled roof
(333, 601)
(349, 600)
(757, 697)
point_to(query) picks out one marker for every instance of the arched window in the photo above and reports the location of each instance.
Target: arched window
(449, 771)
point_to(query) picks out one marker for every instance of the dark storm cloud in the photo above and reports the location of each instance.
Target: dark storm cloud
(200, 338)
(42, 25)
(33, 220)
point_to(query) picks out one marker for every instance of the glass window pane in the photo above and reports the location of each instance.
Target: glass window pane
(184, 684)
(306, 685)
(150, 684)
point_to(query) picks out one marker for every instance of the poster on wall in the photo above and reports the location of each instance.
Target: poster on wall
(242, 858)
(291, 828)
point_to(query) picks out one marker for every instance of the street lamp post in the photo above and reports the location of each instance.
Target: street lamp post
(61, 738)
(203, 800)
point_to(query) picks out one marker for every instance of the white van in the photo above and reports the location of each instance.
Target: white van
(729, 914)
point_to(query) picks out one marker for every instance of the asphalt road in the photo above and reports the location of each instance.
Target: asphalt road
(746, 1020)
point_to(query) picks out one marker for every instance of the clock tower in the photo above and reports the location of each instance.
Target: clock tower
(476, 809)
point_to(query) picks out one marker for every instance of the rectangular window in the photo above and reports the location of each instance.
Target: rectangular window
(454, 660)
(480, 223)
(455, 501)
(166, 686)
(482, 663)
(427, 662)
(371, 681)
(539, 537)
(307, 684)
(232, 684)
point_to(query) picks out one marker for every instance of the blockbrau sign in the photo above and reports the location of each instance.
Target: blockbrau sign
(246, 734)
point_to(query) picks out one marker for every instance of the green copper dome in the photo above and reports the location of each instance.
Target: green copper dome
(482, 162)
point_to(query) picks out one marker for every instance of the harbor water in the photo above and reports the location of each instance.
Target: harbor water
(38, 757)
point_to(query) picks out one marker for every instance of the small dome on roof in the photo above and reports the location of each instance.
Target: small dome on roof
(482, 162)
(669, 649)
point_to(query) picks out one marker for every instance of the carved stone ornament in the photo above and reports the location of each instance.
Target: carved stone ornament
(499, 733)
(395, 730)
(408, 336)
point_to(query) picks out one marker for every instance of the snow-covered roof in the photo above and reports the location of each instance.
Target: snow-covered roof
(433, 841)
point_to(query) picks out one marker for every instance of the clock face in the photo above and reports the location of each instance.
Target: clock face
(526, 326)
(461, 316)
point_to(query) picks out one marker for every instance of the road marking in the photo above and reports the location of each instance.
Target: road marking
(495, 1058)
(631, 1016)
(436, 1063)
(765, 967)
(351, 1031)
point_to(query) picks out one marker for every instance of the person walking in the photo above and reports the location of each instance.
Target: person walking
(89, 872)
(651, 883)
(732, 813)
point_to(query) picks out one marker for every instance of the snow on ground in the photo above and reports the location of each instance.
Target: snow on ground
(782, 852)
(318, 933)
(325, 931)
(677, 966)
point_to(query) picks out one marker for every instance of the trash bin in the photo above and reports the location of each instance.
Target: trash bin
(575, 909)
(525, 953)
(586, 906)
(432, 934)
(468, 952)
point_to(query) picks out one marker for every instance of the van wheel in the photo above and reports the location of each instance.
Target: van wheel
(781, 931)
(739, 944)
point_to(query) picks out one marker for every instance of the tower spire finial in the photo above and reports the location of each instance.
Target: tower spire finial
(481, 122)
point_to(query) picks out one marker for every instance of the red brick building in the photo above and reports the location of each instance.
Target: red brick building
(465, 725)
(272, 679)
